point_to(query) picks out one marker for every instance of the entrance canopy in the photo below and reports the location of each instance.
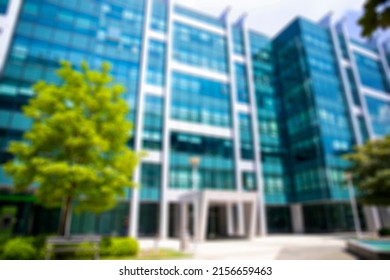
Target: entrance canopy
(201, 201)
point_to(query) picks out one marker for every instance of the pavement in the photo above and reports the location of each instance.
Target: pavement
(273, 247)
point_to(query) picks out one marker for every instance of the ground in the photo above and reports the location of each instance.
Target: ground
(273, 247)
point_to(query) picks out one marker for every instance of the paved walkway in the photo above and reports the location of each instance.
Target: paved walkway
(274, 247)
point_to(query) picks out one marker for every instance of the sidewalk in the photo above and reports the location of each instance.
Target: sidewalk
(274, 247)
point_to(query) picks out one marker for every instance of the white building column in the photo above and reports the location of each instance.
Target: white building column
(139, 121)
(262, 216)
(7, 28)
(235, 122)
(384, 213)
(183, 218)
(359, 85)
(203, 210)
(164, 203)
(344, 77)
(250, 215)
(297, 219)
(229, 219)
(371, 214)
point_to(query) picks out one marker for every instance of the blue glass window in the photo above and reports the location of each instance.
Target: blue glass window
(371, 72)
(150, 182)
(353, 87)
(238, 40)
(200, 100)
(363, 129)
(343, 46)
(249, 181)
(159, 15)
(216, 167)
(199, 48)
(246, 137)
(3, 6)
(152, 132)
(380, 115)
(242, 83)
(156, 63)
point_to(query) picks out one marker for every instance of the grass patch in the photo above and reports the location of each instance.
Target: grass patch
(151, 254)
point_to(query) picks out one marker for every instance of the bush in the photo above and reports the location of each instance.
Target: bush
(384, 232)
(121, 246)
(105, 245)
(84, 251)
(19, 249)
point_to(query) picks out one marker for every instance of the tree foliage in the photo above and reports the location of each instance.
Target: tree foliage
(376, 15)
(76, 149)
(370, 166)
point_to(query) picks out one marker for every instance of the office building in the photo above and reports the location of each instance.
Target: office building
(268, 116)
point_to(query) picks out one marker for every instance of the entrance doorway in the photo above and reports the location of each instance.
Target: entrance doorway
(216, 224)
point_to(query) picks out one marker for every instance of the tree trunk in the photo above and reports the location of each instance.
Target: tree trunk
(66, 211)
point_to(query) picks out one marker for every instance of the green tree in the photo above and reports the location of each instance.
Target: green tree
(376, 15)
(370, 166)
(76, 150)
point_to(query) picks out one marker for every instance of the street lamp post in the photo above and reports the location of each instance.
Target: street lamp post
(194, 161)
(352, 198)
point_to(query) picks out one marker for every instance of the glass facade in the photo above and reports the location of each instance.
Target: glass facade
(299, 106)
(3, 6)
(150, 182)
(379, 115)
(48, 31)
(269, 119)
(318, 127)
(199, 48)
(159, 16)
(216, 168)
(156, 64)
(353, 87)
(238, 40)
(371, 72)
(200, 100)
(246, 137)
(153, 123)
(242, 90)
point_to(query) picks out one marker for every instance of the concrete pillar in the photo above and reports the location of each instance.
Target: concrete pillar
(183, 219)
(196, 212)
(164, 219)
(201, 233)
(372, 218)
(384, 216)
(240, 219)
(250, 214)
(298, 224)
(229, 219)
(134, 213)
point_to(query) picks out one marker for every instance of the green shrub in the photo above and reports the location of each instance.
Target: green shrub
(105, 245)
(384, 232)
(39, 241)
(19, 249)
(84, 251)
(123, 246)
(106, 241)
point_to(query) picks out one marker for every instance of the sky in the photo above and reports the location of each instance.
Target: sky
(270, 16)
